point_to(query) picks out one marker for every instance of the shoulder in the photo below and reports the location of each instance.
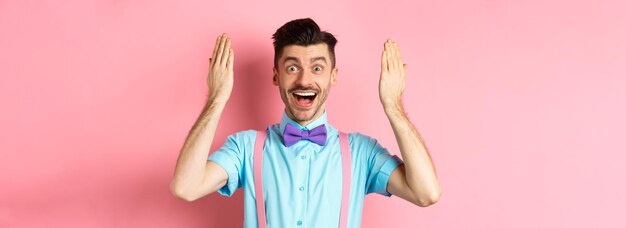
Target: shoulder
(249, 135)
(243, 135)
(241, 138)
(360, 139)
(364, 144)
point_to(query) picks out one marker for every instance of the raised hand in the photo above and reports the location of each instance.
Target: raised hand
(220, 79)
(416, 181)
(392, 74)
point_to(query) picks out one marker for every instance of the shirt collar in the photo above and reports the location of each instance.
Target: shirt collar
(319, 121)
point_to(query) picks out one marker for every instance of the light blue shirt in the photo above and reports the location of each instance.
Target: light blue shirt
(302, 183)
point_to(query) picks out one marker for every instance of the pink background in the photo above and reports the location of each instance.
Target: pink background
(521, 104)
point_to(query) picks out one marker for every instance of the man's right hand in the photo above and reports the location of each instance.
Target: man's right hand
(195, 176)
(220, 78)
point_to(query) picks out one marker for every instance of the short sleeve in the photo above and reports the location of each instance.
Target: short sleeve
(380, 164)
(231, 157)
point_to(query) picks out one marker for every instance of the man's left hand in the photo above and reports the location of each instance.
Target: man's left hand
(392, 73)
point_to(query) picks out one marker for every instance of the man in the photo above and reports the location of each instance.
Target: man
(302, 179)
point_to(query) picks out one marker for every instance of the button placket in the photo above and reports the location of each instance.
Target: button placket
(304, 156)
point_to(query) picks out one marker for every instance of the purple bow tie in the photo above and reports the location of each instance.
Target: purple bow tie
(292, 135)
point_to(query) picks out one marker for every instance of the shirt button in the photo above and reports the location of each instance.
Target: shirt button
(303, 157)
(299, 223)
(301, 188)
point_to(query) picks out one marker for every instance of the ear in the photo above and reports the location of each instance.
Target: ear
(333, 76)
(275, 77)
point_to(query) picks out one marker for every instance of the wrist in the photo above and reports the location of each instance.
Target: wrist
(393, 109)
(216, 101)
(391, 104)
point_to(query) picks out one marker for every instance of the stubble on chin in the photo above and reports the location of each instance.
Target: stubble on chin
(300, 116)
(304, 117)
(323, 94)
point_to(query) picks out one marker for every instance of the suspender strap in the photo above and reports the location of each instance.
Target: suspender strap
(344, 144)
(346, 175)
(258, 178)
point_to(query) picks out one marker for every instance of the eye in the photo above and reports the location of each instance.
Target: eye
(317, 68)
(292, 68)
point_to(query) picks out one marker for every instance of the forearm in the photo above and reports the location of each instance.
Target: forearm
(420, 171)
(190, 167)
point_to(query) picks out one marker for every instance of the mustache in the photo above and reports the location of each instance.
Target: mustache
(304, 88)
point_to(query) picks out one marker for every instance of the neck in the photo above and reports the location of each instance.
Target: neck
(306, 122)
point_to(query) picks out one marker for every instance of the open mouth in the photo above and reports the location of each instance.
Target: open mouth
(304, 99)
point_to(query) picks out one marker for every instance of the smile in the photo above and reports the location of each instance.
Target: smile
(304, 99)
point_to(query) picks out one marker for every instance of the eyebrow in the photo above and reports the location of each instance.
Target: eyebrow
(318, 59)
(314, 59)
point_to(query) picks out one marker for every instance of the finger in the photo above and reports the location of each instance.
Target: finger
(392, 56)
(226, 53)
(217, 43)
(231, 59)
(220, 51)
(397, 60)
(399, 53)
(388, 54)
(383, 61)
(394, 48)
(387, 43)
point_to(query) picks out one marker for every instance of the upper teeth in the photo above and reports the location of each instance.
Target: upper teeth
(305, 94)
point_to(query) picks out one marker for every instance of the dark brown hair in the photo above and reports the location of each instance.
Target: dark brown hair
(303, 32)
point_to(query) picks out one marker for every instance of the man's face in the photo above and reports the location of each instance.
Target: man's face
(304, 76)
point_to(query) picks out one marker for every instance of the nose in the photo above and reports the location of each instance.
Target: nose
(304, 78)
